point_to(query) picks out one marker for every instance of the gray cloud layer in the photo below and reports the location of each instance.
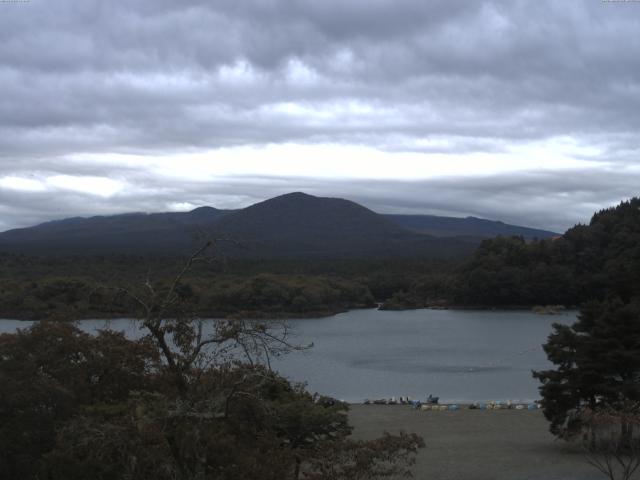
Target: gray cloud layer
(157, 76)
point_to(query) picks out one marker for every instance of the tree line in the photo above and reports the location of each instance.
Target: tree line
(587, 262)
(83, 287)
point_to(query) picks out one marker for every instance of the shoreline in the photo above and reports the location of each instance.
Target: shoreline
(284, 315)
(482, 405)
(205, 316)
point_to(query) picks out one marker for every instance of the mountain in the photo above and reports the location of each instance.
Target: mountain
(291, 225)
(468, 227)
(131, 233)
(301, 225)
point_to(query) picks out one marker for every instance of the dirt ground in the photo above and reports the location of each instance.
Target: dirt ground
(478, 444)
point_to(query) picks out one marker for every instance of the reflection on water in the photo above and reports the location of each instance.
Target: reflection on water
(460, 355)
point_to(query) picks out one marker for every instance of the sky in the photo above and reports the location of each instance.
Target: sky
(522, 111)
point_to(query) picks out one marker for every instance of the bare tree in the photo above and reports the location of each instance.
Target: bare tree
(168, 316)
(611, 440)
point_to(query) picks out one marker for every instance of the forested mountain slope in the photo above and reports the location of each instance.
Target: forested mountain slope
(588, 261)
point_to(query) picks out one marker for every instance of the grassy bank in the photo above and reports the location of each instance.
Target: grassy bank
(478, 444)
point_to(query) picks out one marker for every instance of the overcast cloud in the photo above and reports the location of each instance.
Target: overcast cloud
(523, 111)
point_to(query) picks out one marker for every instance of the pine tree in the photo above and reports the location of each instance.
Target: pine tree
(597, 363)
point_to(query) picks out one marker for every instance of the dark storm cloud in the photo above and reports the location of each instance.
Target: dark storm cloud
(158, 76)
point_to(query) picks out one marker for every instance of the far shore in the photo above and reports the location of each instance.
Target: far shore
(280, 315)
(249, 315)
(478, 444)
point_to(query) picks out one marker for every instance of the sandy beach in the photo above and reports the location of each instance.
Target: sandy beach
(478, 445)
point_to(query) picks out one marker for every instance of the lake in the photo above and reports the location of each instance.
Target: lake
(459, 355)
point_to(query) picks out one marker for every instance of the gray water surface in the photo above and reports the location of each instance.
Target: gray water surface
(460, 355)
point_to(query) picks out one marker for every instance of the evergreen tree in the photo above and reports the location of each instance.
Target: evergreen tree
(597, 363)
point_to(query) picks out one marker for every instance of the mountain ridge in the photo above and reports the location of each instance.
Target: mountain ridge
(294, 224)
(442, 226)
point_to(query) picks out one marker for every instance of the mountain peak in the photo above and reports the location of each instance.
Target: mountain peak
(294, 195)
(203, 210)
(301, 224)
(291, 197)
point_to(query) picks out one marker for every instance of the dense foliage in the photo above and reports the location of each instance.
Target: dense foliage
(54, 372)
(213, 296)
(587, 262)
(86, 287)
(597, 359)
(597, 363)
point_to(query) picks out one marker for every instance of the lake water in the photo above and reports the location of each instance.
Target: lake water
(459, 355)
